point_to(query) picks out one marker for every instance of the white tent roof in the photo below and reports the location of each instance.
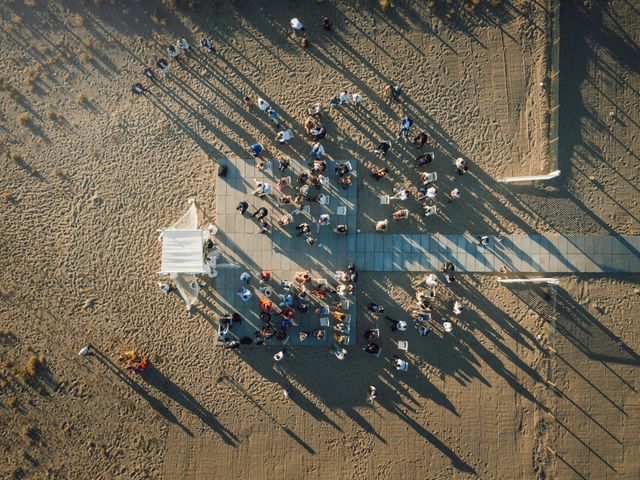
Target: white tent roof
(182, 251)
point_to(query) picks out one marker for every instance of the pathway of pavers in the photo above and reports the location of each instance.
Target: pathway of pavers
(519, 253)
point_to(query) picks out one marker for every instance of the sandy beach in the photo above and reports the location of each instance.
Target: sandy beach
(534, 382)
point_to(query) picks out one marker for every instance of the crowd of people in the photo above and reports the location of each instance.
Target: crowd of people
(294, 191)
(279, 302)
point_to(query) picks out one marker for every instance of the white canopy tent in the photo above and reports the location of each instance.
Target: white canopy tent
(183, 254)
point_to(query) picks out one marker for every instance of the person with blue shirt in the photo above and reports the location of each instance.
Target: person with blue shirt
(405, 126)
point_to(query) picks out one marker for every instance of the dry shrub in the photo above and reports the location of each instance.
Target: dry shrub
(58, 172)
(15, 156)
(8, 197)
(33, 366)
(23, 118)
(33, 74)
(385, 5)
(81, 98)
(473, 4)
(85, 54)
(13, 402)
(16, 20)
(77, 20)
(34, 171)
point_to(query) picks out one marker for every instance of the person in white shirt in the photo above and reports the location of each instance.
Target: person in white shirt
(344, 97)
(400, 194)
(284, 136)
(457, 307)
(431, 192)
(357, 99)
(297, 25)
(262, 189)
(317, 150)
(183, 45)
(172, 51)
(263, 105)
(323, 221)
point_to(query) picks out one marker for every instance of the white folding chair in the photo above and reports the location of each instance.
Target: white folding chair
(403, 345)
(324, 200)
(324, 321)
(346, 304)
(404, 366)
(430, 210)
(341, 210)
(346, 329)
(324, 181)
(431, 177)
(384, 199)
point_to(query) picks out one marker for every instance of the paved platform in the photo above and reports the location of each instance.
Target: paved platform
(281, 252)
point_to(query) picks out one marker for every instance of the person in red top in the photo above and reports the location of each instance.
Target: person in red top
(266, 305)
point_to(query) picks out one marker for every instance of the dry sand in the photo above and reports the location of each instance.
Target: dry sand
(92, 172)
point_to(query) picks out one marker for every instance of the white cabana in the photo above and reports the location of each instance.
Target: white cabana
(182, 251)
(184, 256)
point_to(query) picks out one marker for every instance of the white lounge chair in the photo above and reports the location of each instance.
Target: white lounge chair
(430, 210)
(431, 177)
(341, 210)
(324, 321)
(384, 199)
(403, 345)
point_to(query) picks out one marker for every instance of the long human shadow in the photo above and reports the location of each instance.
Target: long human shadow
(394, 406)
(156, 379)
(589, 335)
(153, 402)
(242, 391)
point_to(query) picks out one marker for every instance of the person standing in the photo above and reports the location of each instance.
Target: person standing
(455, 193)
(296, 25)
(208, 45)
(164, 66)
(183, 45)
(86, 350)
(242, 207)
(261, 213)
(173, 52)
(317, 151)
(405, 127)
(382, 149)
(373, 394)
